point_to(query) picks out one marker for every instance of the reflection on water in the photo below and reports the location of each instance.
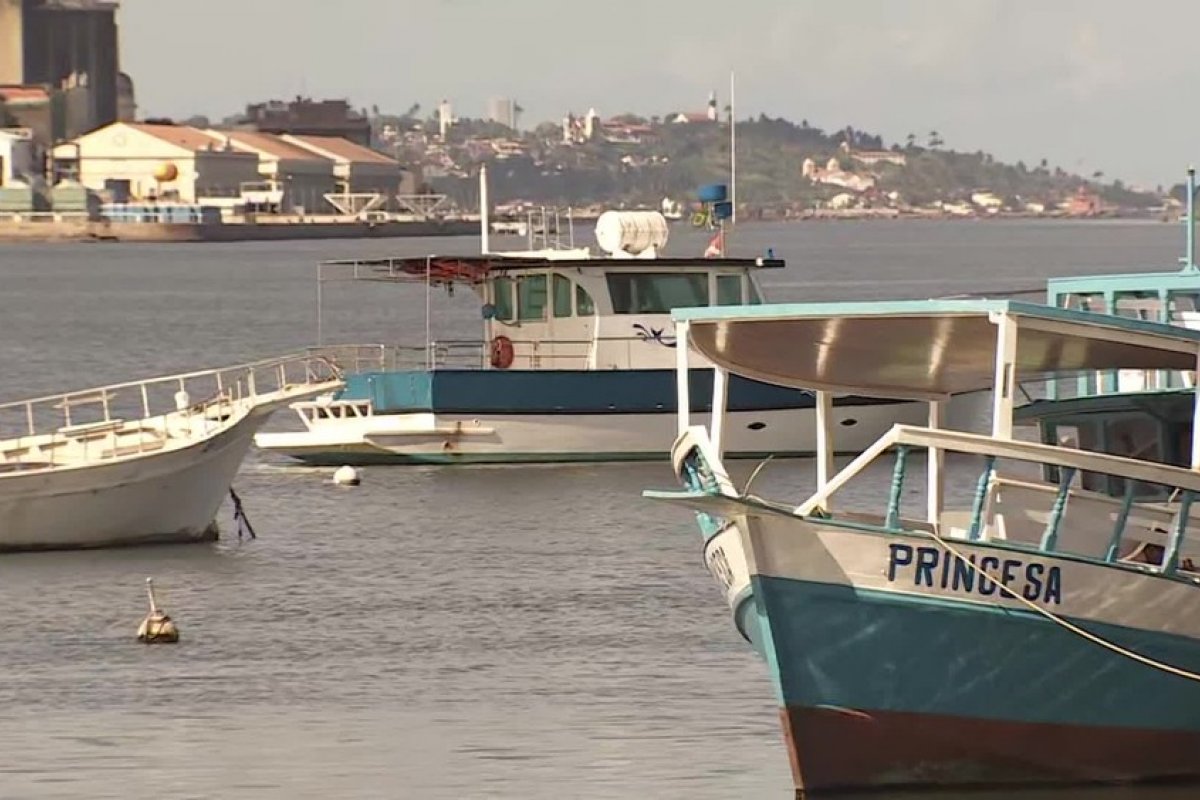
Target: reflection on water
(434, 633)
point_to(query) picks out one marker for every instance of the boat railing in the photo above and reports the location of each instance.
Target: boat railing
(1008, 504)
(135, 416)
(549, 353)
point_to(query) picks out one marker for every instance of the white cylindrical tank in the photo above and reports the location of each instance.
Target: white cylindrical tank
(631, 232)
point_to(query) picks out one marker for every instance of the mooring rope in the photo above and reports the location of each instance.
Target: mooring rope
(239, 516)
(1050, 615)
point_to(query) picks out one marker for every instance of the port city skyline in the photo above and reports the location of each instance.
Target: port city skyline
(1074, 82)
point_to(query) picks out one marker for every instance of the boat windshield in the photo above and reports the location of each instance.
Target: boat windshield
(656, 292)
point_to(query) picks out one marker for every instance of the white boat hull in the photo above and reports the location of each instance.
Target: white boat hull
(168, 497)
(437, 438)
(116, 473)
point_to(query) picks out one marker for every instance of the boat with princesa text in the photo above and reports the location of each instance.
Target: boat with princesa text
(1019, 627)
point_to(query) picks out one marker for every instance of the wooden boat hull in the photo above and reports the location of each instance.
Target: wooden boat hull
(897, 667)
(831, 748)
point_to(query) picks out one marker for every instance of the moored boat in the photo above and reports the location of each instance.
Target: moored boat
(1038, 632)
(142, 462)
(1139, 413)
(575, 363)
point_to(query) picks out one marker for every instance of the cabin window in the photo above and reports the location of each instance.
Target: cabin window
(1138, 305)
(584, 306)
(531, 297)
(1184, 306)
(562, 296)
(1085, 302)
(502, 292)
(752, 290)
(1135, 436)
(656, 292)
(729, 290)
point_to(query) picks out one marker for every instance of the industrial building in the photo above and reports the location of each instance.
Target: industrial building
(365, 179)
(31, 109)
(231, 168)
(130, 160)
(304, 116)
(300, 177)
(18, 161)
(70, 49)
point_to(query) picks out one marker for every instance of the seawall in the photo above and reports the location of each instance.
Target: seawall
(68, 230)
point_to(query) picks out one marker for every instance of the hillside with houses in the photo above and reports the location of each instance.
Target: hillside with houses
(784, 169)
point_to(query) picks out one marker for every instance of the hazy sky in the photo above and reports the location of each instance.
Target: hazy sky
(1088, 84)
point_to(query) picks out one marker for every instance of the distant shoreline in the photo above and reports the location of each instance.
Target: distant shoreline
(83, 230)
(68, 231)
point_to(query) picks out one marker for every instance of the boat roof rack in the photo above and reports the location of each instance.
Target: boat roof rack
(475, 269)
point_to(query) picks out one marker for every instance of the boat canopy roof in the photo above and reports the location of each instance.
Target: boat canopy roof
(1186, 279)
(476, 269)
(925, 349)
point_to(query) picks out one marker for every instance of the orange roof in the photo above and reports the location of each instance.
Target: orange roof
(23, 94)
(344, 149)
(184, 136)
(267, 143)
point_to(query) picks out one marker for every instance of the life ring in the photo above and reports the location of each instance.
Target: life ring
(502, 352)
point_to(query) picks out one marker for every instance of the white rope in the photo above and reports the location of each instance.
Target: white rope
(1050, 615)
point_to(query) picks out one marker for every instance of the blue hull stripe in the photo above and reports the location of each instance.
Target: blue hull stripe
(650, 391)
(835, 646)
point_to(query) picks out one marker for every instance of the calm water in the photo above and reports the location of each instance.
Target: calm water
(521, 632)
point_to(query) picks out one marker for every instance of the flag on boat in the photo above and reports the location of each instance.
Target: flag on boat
(716, 246)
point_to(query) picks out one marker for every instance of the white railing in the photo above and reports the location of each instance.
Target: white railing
(475, 354)
(113, 416)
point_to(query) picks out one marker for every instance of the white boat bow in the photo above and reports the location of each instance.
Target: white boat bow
(139, 462)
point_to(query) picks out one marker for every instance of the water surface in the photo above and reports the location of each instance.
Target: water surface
(523, 632)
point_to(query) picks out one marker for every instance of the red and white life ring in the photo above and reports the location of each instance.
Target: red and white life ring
(502, 352)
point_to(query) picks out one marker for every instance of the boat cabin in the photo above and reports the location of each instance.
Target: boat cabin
(1100, 506)
(1144, 414)
(570, 313)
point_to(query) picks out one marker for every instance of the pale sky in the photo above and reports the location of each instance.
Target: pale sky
(1088, 84)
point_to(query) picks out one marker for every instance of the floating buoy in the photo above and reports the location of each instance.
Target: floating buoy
(157, 627)
(347, 475)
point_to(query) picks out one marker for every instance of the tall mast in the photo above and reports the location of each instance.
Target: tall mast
(484, 222)
(732, 153)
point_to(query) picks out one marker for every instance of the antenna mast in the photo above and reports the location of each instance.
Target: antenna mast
(732, 153)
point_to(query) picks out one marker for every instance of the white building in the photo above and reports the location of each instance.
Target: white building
(833, 175)
(503, 110)
(445, 116)
(988, 201)
(146, 161)
(18, 156)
